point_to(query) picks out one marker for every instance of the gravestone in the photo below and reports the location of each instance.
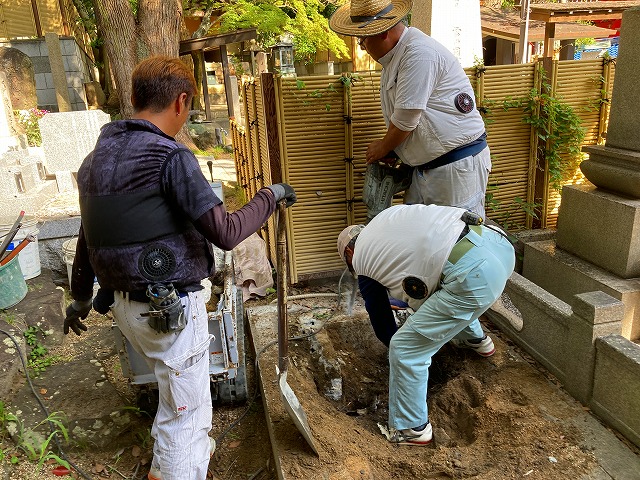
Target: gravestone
(8, 125)
(19, 71)
(68, 137)
(22, 183)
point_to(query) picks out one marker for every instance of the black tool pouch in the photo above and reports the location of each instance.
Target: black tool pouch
(166, 313)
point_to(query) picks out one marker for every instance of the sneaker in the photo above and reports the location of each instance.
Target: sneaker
(482, 346)
(412, 437)
(154, 472)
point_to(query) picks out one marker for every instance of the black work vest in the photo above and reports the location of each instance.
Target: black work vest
(134, 235)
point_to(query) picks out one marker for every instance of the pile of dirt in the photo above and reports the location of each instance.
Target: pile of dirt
(493, 418)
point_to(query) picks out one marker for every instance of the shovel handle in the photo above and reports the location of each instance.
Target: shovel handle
(16, 251)
(12, 233)
(281, 268)
(210, 165)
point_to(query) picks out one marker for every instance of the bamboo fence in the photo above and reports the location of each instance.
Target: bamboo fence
(312, 132)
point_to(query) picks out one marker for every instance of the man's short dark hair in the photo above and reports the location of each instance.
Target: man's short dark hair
(158, 81)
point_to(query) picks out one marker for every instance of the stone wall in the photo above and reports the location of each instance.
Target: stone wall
(580, 344)
(75, 65)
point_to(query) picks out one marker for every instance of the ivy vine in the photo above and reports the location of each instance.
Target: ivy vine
(556, 124)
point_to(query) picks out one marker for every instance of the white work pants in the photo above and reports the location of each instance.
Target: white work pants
(180, 362)
(460, 184)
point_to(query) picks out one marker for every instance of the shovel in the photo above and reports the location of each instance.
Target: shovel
(291, 403)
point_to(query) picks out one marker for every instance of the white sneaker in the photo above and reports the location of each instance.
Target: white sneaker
(411, 437)
(155, 474)
(485, 347)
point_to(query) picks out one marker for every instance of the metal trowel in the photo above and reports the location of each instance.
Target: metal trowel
(291, 403)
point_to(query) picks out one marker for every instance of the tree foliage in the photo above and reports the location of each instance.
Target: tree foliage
(305, 20)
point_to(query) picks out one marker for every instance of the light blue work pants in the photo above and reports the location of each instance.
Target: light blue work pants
(468, 288)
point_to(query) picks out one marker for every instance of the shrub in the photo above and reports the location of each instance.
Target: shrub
(29, 121)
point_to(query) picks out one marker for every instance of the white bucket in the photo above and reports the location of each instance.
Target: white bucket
(29, 256)
(69, 253)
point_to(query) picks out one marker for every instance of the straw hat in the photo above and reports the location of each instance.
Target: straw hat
(364, 18)
(346, 236)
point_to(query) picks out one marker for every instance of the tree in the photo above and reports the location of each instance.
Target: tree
(134, 30)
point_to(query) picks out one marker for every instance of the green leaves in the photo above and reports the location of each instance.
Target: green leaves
(38, 360)
(305, 20)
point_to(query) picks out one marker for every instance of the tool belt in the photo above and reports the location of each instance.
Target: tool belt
(166, 313)
(470, 149)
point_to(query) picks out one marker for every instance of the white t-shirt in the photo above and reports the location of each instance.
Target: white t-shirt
(420, 73)
(408, 241)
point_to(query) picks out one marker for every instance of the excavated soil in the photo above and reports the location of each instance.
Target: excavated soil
(493, 418)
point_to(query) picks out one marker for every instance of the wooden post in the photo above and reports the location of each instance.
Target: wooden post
(205, 87)
(271, 125)
(227, 80)
(549, 34)
(541, 181)
(36, 18)
(523, 43)
(605, 105)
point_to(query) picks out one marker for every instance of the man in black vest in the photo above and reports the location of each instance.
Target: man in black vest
(148, 217)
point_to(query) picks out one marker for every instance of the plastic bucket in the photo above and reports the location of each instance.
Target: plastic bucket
(69, 253)
(217, 189)
(29, 256)
(13, 288)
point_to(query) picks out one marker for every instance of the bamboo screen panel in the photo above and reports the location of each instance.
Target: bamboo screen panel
(580, 84)
(313, 142)
(50, 16)
(510, 140)
(251, 132)
(325, 128)
(367, 124)
(16, 19)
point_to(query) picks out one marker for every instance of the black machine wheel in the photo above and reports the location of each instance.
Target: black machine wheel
(147, 398)
(234, 391)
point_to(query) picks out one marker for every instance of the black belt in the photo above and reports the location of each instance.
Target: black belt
(142, 297)
(470, 149)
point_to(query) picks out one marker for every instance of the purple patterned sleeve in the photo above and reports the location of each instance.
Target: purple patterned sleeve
(185, 187)
(226, 230)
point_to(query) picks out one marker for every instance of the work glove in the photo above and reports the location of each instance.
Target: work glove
(79, 309)
(283, 191)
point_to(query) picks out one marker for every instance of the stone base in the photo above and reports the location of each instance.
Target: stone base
(601, 228)
(565, 275)
(30, 202)
(615, 169)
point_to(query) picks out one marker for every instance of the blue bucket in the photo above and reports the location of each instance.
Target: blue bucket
(13, 288)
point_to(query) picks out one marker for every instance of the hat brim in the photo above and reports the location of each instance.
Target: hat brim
(345, 238)
(340, 22)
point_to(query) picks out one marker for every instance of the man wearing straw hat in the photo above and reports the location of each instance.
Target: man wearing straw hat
(428, 106)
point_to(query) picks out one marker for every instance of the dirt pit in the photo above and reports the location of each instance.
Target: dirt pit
(493, 418)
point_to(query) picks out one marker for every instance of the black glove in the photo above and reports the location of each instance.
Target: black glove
(79, 309)
(103, 300)
(283, 191)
